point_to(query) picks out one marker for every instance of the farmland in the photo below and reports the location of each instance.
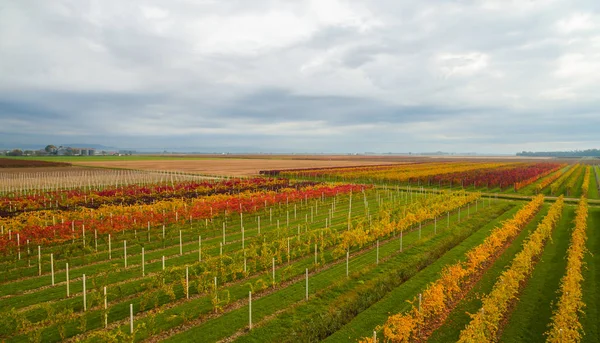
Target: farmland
(440, 251)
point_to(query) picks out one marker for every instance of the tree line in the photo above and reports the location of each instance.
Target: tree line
(572, 153)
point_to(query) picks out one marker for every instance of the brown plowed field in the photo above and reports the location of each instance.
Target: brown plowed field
(24, 163)
(225, 166)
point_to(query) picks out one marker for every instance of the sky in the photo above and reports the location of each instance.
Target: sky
(321, 76)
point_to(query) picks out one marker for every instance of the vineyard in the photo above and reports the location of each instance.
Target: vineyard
(413, 252)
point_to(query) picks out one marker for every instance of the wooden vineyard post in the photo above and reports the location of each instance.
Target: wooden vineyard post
(221, 249)
(377, 259)
(39, 261)
(180, 243)
(459, 214)
(52, 267)
(105, 309)
(143, 262)
(199, 248)
(273, 272)
(67, 270)
(374, 336)
(250, 310)
(109, 248)
(125, 253)
(187, 282)
(306, 283)
(420, 230)
(131, 318)
(163, 262)
(223, 233)
(435, 226)
(315, 253)
(401, 234)
(83, 234)
(163, 227)
(19, 246)
(259, 225)
(84, 295)
(243, 239)
(96, 239)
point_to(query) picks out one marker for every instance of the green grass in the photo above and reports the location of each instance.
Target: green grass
(593, 190)
(395, 302)
(531, 314)
(591, 280)
(471, 303)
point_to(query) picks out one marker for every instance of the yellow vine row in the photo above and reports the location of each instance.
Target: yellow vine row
(585, 187)
(565, 326)
(403, 172)
(570, 186)
(556, 184)
(547, 181)
(431, 208)
(438, 298)
(485, 324)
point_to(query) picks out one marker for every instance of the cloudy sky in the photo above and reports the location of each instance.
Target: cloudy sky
(489, 76)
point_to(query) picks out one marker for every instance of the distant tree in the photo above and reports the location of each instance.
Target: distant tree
(51, 149)
(16, 152)
(28, 152)
(573, 153)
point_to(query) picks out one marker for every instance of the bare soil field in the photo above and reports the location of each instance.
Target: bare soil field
(10, 163)
(230, 166)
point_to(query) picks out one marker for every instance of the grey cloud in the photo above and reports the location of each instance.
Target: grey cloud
(375, 76)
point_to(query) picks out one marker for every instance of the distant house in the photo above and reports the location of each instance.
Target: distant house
(127, 152)
(69, 151)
